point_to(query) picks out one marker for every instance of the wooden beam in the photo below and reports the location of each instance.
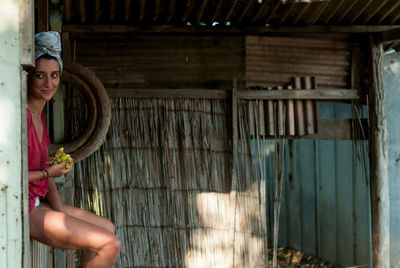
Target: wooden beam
(311, 94)
(316, 94)
(234, 176)
(378, 149)
(302, 1)
(169, 93)
(73, 28)
(235, 135)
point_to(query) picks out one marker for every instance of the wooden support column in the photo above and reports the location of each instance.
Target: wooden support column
(234, 185)
(379, 161)
(234, 182)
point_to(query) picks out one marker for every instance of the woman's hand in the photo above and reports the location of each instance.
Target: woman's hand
(58, 170)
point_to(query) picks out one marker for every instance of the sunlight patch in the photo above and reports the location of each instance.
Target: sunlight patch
(8, 13)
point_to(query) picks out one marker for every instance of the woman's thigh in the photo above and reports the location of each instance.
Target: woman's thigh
(85, 216)
(89, 217)
(63, 231)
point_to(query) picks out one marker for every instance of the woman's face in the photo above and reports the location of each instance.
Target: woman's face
(44, 79)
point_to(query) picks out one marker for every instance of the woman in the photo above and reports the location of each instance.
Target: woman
(52, 222)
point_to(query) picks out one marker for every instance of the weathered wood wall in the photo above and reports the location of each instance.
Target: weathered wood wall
(161, 61)
(274, 60)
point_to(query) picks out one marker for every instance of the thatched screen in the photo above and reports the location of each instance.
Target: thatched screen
(163, 176)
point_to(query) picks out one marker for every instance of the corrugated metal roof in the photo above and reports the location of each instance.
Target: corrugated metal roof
(237, 13)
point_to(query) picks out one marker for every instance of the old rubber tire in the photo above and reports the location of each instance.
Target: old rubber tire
(99, 109)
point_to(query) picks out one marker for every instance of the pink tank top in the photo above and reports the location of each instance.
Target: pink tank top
(37, 159)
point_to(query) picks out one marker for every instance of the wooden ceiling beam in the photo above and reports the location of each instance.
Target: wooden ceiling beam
(333, 12)
(128, 10)
(188, 10)
(157, 9)
(82, 11)
(262, 10)
(203, 6)
(142, 10)
(319, 12)
(301, 13)
(395, 18)
(245, 11)
(225, 29)
(97, 11)
(273, 12)
(113, 9)
(171, 9)
(230, 12)
(359, 11)
(286, 13)
(373, 11)
(348, 8)
(387, 12)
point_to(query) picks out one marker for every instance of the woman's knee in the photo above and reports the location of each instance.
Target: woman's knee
(110, 226)
(113, 244)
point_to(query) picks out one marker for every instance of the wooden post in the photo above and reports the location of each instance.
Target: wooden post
(234, 183)
(379, 161)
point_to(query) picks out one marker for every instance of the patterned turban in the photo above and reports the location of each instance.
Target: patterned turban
(48, 43)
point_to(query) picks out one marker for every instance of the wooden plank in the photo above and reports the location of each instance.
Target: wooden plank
(344, 194)
(361, 204)
(294, 198)
(306, 158)
(169, 93)
(234, 183)
(24, 176)
(285, 207)
(26, 33)
(12, 139)
(379, 161)
(317, 94)
(326, 208)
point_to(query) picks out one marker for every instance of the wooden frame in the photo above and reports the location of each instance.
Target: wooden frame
(315, 94)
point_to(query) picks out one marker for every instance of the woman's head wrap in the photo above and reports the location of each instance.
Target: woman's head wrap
(48, 43)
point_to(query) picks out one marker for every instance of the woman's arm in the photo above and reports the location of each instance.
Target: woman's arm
(53, 197)
(35, 175)
(53, 171)
(52, 192)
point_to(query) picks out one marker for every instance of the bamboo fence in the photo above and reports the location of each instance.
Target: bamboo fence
(163, 177)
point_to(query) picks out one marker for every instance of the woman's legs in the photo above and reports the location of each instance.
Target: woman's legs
(67, 232)
(90, 218)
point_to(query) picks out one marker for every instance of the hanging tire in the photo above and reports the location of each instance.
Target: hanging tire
(99, 111)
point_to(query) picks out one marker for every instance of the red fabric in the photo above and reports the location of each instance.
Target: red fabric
(37, 159)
